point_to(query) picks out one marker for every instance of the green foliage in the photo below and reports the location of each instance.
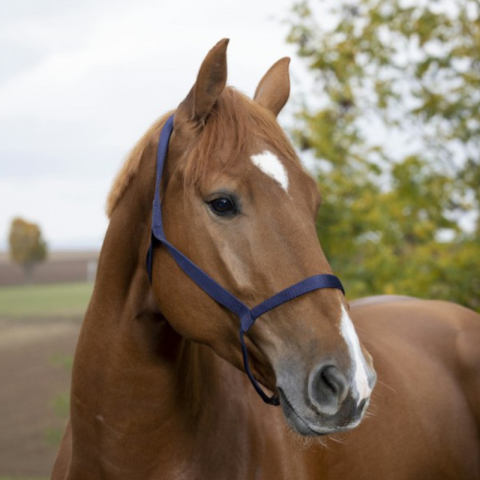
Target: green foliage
(61, 407)
(27, 247)
(61, 403)
(63, 361)
(396, 130)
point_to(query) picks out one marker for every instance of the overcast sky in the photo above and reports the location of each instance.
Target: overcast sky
(81, 81)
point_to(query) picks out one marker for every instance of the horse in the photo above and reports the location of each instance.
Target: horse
(159, 389)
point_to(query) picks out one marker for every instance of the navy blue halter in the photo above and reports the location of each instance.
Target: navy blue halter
(246, 315)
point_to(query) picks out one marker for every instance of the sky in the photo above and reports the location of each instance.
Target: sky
(80, 82)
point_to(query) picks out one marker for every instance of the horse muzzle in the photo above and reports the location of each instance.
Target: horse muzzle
(331, 403)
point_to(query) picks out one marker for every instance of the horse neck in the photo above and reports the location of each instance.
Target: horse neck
(135, 380)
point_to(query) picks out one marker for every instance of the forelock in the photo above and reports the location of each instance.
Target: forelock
(235, 121)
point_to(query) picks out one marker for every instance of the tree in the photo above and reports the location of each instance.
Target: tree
(27, 248)
(396, 130)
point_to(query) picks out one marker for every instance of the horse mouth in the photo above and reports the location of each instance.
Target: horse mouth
(304, 427)
(295, 421)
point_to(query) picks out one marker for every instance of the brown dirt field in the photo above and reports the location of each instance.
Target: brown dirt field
(31, 379)
(59, 267)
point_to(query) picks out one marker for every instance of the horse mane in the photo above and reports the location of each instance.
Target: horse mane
(235, 119)
(130, 166)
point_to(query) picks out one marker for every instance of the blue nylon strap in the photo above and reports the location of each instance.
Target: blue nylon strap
(210, 286)
(157, 221)
(207, 283)
(273, 400)
(301, 288)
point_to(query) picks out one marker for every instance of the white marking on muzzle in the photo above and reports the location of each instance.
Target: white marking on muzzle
(269, 164)
(360, 378)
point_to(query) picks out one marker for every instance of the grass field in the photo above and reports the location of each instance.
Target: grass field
(58, 300)
(21, 478)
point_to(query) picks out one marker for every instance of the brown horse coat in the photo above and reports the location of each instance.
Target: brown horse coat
(158, 390)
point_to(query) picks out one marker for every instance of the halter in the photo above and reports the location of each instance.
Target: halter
(246, 315)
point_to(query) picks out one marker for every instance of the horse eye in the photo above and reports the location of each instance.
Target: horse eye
(222, 206)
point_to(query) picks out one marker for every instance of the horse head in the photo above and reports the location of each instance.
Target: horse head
(237, 201)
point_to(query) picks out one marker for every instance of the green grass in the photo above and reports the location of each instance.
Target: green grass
(21, 478)
(58, 300)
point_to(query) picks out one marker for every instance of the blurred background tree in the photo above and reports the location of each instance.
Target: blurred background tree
(395, 129)
(27, 247)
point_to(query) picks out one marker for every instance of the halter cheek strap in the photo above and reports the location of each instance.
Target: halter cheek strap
(246, 315)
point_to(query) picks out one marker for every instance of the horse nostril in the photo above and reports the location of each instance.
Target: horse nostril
(328, 388)
(329, 381)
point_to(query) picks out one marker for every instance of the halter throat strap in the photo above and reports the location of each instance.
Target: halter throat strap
(222, 296)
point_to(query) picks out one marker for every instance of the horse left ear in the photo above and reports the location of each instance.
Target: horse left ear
(211, 80)
(274, 88)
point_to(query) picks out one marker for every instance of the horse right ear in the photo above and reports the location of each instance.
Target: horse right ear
(211, 80)
(274, 88)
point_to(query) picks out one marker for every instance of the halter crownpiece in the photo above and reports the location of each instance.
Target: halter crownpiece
(246, 315)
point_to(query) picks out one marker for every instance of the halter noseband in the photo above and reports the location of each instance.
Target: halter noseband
(246, 315)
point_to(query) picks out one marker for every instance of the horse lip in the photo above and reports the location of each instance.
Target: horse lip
(295, 420)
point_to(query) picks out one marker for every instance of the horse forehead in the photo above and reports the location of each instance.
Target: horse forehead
(271, 165)
(288, 174)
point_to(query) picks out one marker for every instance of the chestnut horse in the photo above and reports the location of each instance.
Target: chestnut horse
(159, 389)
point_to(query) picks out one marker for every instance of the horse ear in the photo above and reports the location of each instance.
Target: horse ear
(274, 88)
(211, 80)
